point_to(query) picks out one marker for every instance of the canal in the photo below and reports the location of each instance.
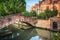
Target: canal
(25, 32)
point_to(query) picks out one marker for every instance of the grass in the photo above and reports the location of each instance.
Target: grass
(55, 36)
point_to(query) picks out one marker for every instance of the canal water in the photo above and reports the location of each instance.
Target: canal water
(13, 33)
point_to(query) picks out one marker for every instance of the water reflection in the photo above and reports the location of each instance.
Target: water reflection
(36, 38)
(29, 34)
(18, 34)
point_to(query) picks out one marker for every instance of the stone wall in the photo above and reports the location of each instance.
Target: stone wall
(57, 20)
(49, 23)
(43, 23)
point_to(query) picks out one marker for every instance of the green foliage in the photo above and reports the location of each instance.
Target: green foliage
(47, 14)
(54, 13)
(55, 36)
(33, 13)
(30, 14)
(50, 13)
(8, 7)
(41, 15)
(26, 13)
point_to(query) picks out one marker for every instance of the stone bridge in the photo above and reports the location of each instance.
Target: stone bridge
(7, 20)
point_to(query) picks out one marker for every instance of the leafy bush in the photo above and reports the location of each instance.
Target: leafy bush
(8, 7)
(47, 14)
(30, 14)
(33, 13)
(41, 15)
(26, 13)
(55, 36)
(50, 13)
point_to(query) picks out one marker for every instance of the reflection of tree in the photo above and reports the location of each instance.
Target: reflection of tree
(26, 34)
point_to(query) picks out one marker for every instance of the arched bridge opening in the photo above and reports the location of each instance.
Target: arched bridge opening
(7, 20)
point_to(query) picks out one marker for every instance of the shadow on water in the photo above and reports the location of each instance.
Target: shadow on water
(19, 34)
(13, 33)
(26, 34)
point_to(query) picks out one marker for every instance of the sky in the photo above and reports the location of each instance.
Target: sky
(30, 3)
(36, 38)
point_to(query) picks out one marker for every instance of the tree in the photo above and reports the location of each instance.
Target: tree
(8, 7)
(26, 13)
(41, 15)
(47, 14)
(54, 13)
(33, 13)
(51, 13)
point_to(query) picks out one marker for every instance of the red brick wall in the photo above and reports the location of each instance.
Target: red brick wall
(43, 23)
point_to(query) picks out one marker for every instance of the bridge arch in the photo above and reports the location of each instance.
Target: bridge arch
(16, 18)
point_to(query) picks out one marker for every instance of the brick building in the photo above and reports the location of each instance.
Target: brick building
(51, 4)
(52, 23)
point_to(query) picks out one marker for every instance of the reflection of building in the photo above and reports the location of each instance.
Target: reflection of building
(51, 4)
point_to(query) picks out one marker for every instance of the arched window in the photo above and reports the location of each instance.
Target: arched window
(55, 26)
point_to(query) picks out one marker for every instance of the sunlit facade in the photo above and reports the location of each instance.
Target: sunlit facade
(51, 4)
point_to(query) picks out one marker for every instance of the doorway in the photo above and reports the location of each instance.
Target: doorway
(55, 26)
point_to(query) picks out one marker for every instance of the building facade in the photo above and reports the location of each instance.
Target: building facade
(52, 23)
(51, 4)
